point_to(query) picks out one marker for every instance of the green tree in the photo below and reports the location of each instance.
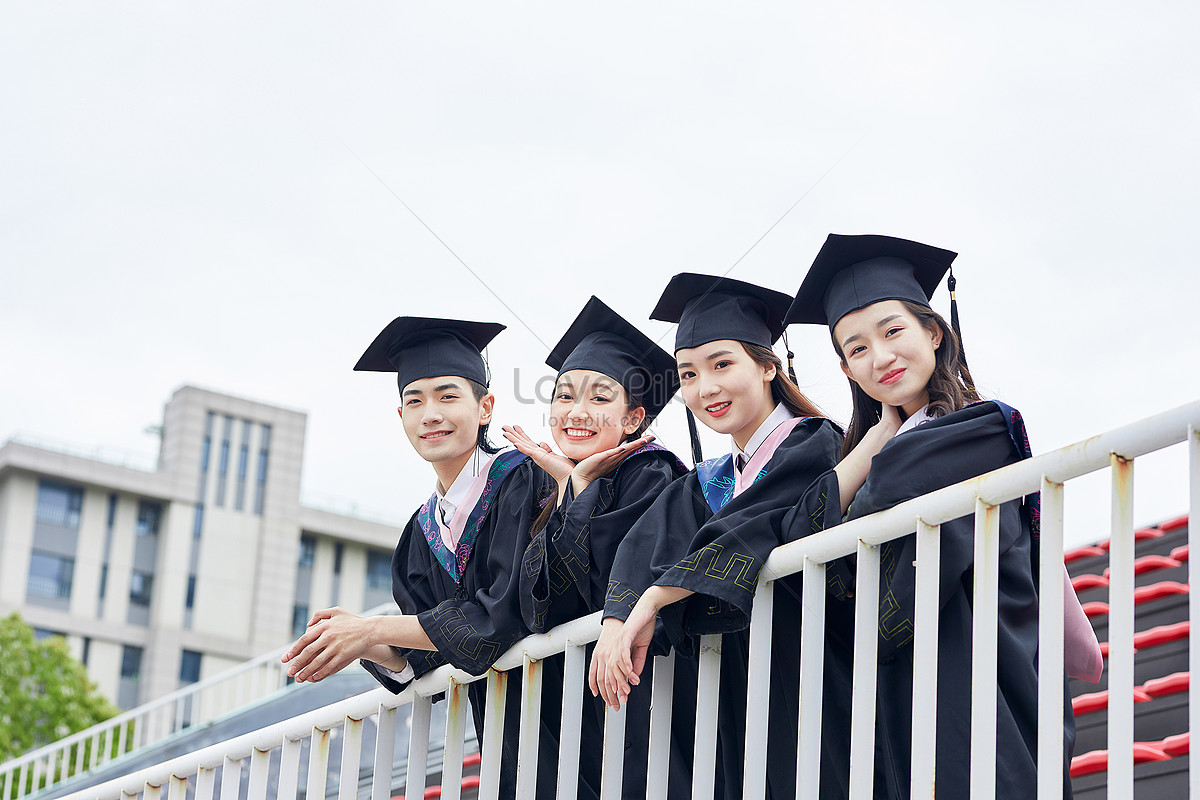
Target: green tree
(45, 694)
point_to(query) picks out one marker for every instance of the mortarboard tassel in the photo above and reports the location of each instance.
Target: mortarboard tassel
(950, 284)
(790, 356)
(697, 455)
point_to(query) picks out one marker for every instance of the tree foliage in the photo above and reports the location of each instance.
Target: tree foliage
(45, 694)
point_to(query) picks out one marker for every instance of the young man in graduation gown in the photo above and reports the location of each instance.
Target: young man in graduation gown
(602, 494)
(456, 568)
(683, 543)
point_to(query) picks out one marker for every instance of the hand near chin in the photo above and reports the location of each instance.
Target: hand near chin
(603, 463)
(889, 419)
(559, 467)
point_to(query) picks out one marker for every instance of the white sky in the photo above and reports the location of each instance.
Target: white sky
(182, 199)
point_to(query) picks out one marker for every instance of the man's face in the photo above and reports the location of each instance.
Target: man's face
(442, 417)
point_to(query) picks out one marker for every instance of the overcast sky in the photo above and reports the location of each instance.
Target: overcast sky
(206, 194)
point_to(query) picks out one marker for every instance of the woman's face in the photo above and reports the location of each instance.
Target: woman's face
(889, 353)
(590, 413)
(725, 388)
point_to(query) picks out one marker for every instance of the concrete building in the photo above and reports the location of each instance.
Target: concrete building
(160, 577)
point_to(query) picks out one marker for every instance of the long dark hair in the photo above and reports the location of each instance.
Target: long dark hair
(782, 388)
(950, 387)
(633, 402)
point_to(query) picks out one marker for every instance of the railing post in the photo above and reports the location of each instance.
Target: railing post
(385, 754)
(708, 691)
(758, 694)
(231, 779)
(206, 779)
(574, 678)
(493, 735)
(812, 681)
(662, 700)
(289, 771)
(984, 625)
(1120, 632)
(925, 660)
(866, 649)
(1193, 598)
(456, 720)
(1051, 593)
(612, 765)
(318, 764)
(351, 758)
(531, 723)
(418, 747)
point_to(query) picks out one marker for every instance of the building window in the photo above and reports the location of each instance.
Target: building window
(59, 504)
(87, 650)
(379, 570)
(243, 465)
(191, 593)
(103, 580)
(131, 662)
(299, 619)
(308, 551)
(198, 521)
(50, 575)
(206, 448)
(189, 667)
(264, 450)
(40, 634)
(223, 460)
(112, 510)
(141, 585)
(148, 518)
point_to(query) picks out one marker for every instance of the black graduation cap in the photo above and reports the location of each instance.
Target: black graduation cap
(852, 272)
(709, 308)
(420, 347)
(602, 340)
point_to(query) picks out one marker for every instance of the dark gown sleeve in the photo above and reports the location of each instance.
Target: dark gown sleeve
(483, 618)
(415, 587)
(729, 550)
(937, 454)
(566, 569)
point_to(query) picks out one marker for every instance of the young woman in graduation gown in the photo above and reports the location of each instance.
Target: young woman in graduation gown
(612, 382)
(679, 562)
(919, 425)
(456, 568)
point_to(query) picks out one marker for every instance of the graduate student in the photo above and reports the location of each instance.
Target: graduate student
(612, 382)
(680, 562)
(456, 568)
(919, 425)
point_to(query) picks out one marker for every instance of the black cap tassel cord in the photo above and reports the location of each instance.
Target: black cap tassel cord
(951, 283)
(790, 356)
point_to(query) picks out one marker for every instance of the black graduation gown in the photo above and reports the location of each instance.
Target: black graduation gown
(681, 542)
(565, 576)
(473, 621)
(936, 454)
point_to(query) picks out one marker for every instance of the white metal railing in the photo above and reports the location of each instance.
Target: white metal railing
(193, 705)
(979, 496)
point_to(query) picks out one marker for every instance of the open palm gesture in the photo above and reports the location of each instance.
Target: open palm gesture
(558, 466)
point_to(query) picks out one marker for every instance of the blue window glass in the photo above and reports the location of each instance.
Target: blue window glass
(308, 551)
(379, 570)
(50, 575)
(131, 662)
(141, 585)
(148, 519)
(59, 504)
(189, 666)
(198, 521)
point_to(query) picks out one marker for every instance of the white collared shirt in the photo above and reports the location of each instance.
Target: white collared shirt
(780, 415)
(449, 502)
(921, 416)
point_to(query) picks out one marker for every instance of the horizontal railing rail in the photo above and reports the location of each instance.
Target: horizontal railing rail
(281, 744)
(188, 707)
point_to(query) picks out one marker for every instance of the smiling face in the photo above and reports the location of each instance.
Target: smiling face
(889, 353)
(590, 413)
(725, 388)
(442, 417)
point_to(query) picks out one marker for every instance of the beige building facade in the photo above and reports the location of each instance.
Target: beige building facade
(160, 577)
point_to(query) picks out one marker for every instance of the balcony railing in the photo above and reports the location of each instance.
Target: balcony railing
(192, 705)
(281, 744)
